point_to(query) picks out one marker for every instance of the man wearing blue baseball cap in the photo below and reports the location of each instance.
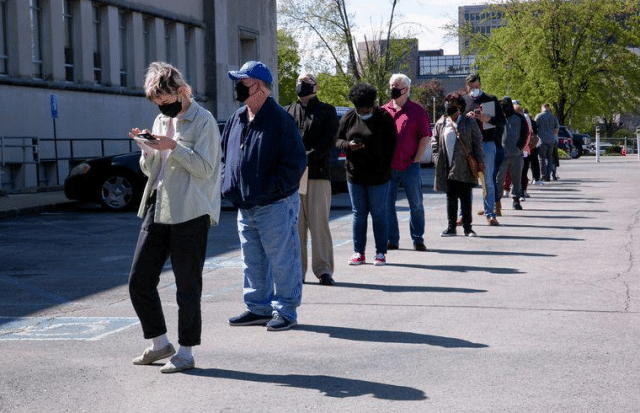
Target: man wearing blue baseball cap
(263, 159)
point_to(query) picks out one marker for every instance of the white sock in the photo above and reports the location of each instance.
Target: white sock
(185, 352)
(159, 342)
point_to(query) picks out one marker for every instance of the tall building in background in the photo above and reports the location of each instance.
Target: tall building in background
(482, 21)
(72, 72)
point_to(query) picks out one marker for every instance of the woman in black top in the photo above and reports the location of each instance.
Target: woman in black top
(367, 135)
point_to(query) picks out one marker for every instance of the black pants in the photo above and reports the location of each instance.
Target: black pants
(186, 244)
(457, 190)
(531, 160)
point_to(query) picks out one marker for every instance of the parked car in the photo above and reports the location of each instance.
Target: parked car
(116, 182)
(427, 158)
(604, 148)
(567, 144)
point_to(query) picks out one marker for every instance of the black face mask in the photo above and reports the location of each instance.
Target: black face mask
(452, 110)
(242, 92)
(395, 93)
(171, 109)
(304, 89)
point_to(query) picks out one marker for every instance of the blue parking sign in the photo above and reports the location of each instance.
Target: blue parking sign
(54, 106)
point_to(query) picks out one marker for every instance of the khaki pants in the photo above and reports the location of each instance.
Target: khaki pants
(314, 218)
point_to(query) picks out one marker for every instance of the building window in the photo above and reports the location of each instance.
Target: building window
(189, 43)
(124, 51)
(146, 37)
(4, 66)
(67, 14)
(169, 36)
(445, 65)
(36, 36)
(248, 45)
(97, 43)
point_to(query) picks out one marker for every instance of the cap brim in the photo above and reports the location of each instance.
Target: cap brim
(237, 75)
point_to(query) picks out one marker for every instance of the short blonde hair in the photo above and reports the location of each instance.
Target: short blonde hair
(164, 79)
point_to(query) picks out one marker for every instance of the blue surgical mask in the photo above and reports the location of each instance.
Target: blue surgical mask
(365, 117)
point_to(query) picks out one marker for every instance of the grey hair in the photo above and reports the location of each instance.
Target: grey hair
(403, 78)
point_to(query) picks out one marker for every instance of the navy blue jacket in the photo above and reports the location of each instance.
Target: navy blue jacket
(262, 160)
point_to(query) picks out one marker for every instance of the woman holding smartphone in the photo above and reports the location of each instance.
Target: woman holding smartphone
(367, 135)
(180, 202)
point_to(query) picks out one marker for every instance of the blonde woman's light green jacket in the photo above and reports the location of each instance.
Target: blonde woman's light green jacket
(191, 183)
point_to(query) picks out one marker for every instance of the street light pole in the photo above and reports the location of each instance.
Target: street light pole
(434, 110)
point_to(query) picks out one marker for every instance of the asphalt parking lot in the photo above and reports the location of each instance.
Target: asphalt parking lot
(541, 314)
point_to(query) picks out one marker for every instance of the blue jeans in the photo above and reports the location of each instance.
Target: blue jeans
(367, 199)
(412, 184)
(271, 257)
(489, 149)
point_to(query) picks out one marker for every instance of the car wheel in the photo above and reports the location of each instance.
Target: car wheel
(118, 192)
(575, 152)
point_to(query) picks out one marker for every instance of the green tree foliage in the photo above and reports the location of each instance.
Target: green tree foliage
(573, 54)
(288, 67)
(334, 89)
(327, 21)
(425, 93)
(330, 23)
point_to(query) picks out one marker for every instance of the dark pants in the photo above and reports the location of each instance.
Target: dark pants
(533, 161)
(186, 244)
(457, 190)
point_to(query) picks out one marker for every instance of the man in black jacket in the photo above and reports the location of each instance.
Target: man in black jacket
(317, 123)
(514, 139)
(486, 110)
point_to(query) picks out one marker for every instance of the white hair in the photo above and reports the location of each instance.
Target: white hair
(403, 78)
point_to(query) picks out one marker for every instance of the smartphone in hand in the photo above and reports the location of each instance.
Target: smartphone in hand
(146, 136)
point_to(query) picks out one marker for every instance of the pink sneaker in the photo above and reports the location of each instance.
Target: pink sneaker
(380, 259)
(357, 259)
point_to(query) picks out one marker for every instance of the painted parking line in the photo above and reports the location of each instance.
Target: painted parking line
(62, 328)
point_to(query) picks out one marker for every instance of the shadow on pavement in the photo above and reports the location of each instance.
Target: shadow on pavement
(458, 268)
(494, 253)
(328, 385)
(381, 336)
(408, 288)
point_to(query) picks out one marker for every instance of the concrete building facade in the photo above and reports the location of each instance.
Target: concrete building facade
(72, 72)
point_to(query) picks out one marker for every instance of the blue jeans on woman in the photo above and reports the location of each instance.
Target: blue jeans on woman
(367, 199)
(271, 258)
(489, 201)
(412, 185)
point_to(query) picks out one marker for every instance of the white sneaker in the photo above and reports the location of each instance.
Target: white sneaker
(380, 259)
(357, 259)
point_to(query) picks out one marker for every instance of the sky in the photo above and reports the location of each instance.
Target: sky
(430, 16)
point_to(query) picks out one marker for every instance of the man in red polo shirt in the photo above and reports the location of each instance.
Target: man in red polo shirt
(414, 133)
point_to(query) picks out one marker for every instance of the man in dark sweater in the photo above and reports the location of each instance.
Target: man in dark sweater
(486, 110)
(317, 123)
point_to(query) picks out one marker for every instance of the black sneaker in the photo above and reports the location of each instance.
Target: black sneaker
(249, 319)
(517, 206)
(449, 232)
(391, 246)
(419, 246)
(470, 233)
(279, 323)
(326, 279)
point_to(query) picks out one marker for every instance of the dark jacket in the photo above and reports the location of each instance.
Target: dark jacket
(517, 133)
(459, 168)
(262, 160)
(372, 164)
(317, 124)
(498, 120)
